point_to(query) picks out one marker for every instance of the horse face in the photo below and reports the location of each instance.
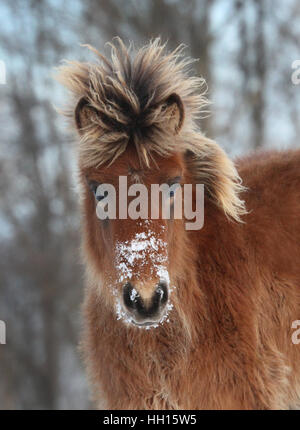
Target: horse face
(134, 254)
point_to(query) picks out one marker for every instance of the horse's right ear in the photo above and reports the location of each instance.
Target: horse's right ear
(174, 111)
(83, 114)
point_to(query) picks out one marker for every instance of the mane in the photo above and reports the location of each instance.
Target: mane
(128, 91)
(127, 98)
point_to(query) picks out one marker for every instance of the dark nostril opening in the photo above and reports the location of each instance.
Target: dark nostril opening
(162, 292)
(129, 296)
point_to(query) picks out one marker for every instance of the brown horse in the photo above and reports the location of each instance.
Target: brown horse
(177, 318)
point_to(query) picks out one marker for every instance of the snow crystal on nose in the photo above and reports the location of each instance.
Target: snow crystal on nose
(163, 275)
(135, 253)
(133, 294)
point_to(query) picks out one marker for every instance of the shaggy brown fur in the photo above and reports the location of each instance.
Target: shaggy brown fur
(228, 342)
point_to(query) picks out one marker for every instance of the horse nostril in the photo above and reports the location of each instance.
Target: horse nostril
(129, 296)
(162, 291)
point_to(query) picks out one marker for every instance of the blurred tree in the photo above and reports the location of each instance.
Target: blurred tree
(41, 277)
(252, 65)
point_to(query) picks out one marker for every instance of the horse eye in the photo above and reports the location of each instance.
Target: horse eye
(101, 196)
(93, 186)
(173, 189)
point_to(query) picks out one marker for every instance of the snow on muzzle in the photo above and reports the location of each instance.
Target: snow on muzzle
(141, 264)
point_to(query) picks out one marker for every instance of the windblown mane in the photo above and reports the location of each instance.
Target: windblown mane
(128, 92)
(125, 100)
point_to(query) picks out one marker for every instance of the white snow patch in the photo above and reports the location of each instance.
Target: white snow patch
(133, 294)
(136, 252)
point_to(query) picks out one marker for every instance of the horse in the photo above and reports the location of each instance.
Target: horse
(177, 318)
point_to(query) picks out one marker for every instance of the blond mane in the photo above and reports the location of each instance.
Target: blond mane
(124, 99)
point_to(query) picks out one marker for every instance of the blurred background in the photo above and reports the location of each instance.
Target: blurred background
(245, 50)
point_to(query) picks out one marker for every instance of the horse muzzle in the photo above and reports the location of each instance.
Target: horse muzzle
(145, 310)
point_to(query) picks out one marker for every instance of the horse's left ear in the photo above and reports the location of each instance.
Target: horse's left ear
(83, 114)
(174, 111)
